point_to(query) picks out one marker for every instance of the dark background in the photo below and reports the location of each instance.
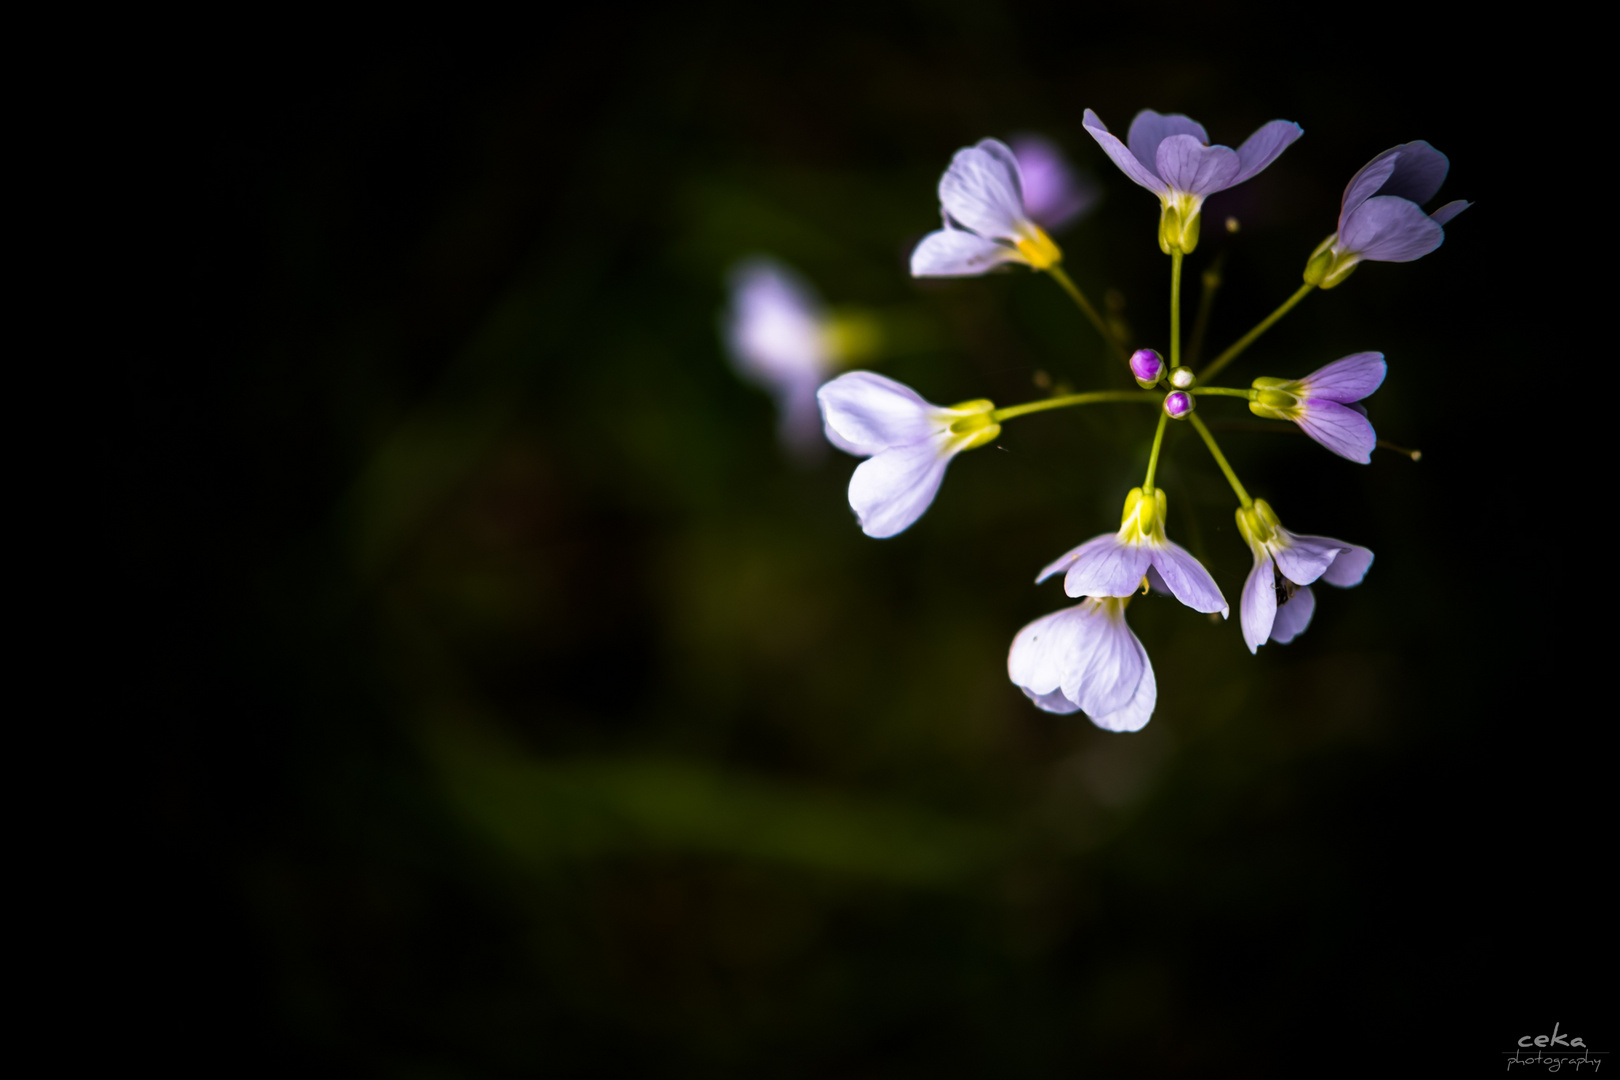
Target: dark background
(514, 707)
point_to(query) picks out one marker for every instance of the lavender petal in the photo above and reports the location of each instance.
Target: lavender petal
(1258, 606)
(1365, 184)
(1186, 165)
(1121, 156)
(1388, 229)
(1294, 616)
(1420, 169)
(1264, 146)
(891, 490)
(1105, 567)
(1449, 211)
(1135, 713)
(981, 191)
(1149, 129)
(1342, 430)
(1187, 579)
(1303, 559)
(1347, 379)
(1349, 568)
(866, 413)
(1107, 667)
(1054, 702)
(958, 253)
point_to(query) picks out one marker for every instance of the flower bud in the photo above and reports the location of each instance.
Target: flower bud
(1148, 367)
(1178, 404)
(1182, 377)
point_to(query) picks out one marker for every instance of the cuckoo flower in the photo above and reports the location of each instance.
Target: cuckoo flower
(1171, 157)
(1380, 219)
(986, 223)
(907, 442)
(1054, 194)
(1115, 564)
(1085, 657)
(782, 339)
(1323, 403)
(1277, 599)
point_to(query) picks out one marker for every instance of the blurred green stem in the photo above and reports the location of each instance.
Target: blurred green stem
(1248, 339)
(1069, 287)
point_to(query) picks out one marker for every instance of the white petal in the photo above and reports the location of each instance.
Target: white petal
(1041, 650)
(866, 413)
(891, 490)
(1135, 713)
(1054, 702)
(981, 192)
(955, 253)
(1106, 668)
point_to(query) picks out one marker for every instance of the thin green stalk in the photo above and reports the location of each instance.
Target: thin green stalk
(1175, 307)
(1220, 459)
(1248, 339)
(1211, 280)
(1073, 290)
(1223, 391)
(1153, 458)
(1090, 398)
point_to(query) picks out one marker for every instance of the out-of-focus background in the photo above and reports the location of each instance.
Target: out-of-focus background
(527, 712)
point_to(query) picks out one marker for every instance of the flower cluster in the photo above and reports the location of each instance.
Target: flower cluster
(997, 202)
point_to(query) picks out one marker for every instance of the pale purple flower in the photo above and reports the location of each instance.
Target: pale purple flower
(1171, 157)
(1115, 564)
(1381, 218)
(776, 331)
(1277, 599)
(1323, 403)
(1086, 658)
(1054, 193)
(981, 197)
(908, 443)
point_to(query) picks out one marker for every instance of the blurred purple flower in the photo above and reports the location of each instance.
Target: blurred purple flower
(1171, 157)
(1323, 403)
(1381, 219)
(1114, 564)
(981, 197)
(1086, 658)
(775, 329)
(1277, 599)
(1054, 193)
(907, 441)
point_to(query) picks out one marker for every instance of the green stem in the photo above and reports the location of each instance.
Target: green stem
(1248, 339)
(1153, 458)
(1223, 391)
(1142, 396)
(1212, 281)
(1069, 287)
(1220, 459)
(1175, 308)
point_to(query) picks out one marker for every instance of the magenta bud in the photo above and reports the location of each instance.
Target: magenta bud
(1178, 404)
(1148, 368)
